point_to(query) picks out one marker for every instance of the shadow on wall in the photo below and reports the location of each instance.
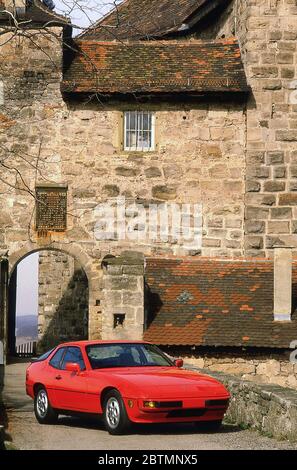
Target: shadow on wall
(70, 319)
(294, 298)
(152, 305)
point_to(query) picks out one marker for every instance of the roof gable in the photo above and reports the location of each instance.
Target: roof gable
(144, 19)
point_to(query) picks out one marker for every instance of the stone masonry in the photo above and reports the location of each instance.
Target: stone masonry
(63, 300)
(269, 409)
(260, 368)
(123, 296)
(239, 160)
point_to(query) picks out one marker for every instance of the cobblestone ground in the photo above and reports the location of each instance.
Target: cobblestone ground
(89, 434)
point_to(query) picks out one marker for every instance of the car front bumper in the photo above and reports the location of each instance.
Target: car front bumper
(191, 410)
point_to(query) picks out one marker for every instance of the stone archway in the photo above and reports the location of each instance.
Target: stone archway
(87, 266)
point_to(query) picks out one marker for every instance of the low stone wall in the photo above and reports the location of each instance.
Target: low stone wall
(264, 366)
(269, 409)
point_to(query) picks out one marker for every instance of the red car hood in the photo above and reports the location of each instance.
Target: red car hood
(166, 382)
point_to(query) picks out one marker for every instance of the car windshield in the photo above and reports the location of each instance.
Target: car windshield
(102, 356)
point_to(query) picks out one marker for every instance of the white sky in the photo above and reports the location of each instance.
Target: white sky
(85, 12)
(27, 286)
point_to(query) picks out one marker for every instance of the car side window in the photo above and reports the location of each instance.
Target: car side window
(73, 354)
(56, 359)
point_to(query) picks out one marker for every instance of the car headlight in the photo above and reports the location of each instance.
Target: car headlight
(150, 404)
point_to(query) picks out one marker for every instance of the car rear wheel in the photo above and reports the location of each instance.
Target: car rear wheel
(115, 415)
(44, 413)
(211, 426)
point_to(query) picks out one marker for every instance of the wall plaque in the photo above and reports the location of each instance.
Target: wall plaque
(51, 209)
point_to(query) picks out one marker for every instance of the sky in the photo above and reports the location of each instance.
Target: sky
(27, 286)
(82, 13)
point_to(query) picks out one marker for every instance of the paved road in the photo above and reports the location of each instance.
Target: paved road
(83, 434)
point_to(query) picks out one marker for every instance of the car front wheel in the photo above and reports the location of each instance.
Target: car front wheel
(115, 415)
(44, 413)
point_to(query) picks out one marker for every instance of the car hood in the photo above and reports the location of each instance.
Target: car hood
(164, 382)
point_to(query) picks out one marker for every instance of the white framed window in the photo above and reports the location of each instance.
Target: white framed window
(139, 131)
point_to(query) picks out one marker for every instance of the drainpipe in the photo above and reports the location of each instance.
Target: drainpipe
(282, 284)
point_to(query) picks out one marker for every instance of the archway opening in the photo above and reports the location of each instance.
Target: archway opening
(48, 302)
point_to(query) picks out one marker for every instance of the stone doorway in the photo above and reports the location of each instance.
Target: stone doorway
(62, 310)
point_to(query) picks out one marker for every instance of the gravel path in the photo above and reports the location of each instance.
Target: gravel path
(88, 434)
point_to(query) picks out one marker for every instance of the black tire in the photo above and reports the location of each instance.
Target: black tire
(208, 426)
(114, 414)
(43, 410)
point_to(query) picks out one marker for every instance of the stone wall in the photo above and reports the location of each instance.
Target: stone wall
(268, 33)
(268, 368)
(123, 297)
(240, 164)
(269, 409)
(199, 158)
(63, 300)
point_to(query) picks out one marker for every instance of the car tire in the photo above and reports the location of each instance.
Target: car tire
(114, 413)
(211, 426)
(43, 410)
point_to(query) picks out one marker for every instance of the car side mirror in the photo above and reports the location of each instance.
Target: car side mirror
(73, 367)
(178, 363)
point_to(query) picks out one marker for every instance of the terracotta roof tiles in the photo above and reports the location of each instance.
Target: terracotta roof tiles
(190, 304)
(143, 19)
(156, 66)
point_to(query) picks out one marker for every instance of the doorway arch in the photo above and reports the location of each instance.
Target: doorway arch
(53, 327)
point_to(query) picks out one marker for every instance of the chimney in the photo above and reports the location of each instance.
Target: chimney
(282, 284)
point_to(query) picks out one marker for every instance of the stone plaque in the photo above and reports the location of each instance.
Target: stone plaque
(51, 209)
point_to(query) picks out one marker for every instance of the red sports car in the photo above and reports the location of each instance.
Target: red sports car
(128, 382)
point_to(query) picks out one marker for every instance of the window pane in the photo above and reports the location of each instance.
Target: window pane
(145, 140)
(138, 130)
(73, 355)
(132, 120)
(132, 139)
(127, 120)
(56, 359)
(146, 122)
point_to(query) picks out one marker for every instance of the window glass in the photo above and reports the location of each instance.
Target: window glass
(126, 355)
(73, 354)
(56, 359)
(139, 130)
(44, 356)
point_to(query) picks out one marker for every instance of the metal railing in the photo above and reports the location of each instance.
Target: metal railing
(26, 349)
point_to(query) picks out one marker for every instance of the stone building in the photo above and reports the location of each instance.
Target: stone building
(187, 102)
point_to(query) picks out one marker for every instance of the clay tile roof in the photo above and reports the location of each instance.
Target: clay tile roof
(156, 66)
(140, 19)
(215, 303)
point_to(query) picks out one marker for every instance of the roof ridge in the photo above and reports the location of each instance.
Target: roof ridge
(229, 40)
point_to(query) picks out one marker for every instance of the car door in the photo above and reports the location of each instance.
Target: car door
(70, 388)
(51, 372)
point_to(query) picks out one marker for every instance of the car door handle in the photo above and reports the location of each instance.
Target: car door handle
(58, 377)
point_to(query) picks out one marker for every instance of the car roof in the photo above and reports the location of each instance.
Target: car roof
(94, 342)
